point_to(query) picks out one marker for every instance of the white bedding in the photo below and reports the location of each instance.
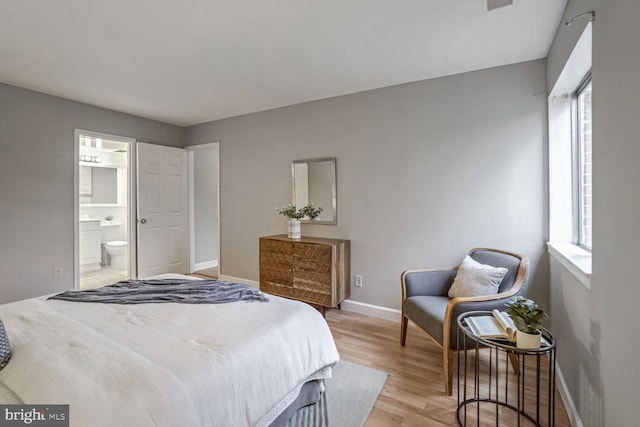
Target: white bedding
(236, 364)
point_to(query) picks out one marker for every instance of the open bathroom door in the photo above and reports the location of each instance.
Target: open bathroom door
(163, 220)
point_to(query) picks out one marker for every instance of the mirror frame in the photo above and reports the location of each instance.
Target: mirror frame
(334, 197)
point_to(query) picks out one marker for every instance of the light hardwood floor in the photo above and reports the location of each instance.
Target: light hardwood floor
(414, 392)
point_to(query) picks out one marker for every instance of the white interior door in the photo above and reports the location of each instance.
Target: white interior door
(163, 220)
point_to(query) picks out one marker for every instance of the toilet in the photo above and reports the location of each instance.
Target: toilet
(117, 250)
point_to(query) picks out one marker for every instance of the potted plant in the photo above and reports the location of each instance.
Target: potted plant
(311, 211)
(527, 317)
(294, 214)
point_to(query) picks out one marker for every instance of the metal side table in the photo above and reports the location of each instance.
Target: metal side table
(492, 375)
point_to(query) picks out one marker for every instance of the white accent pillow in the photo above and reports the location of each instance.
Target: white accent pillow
(475, 279)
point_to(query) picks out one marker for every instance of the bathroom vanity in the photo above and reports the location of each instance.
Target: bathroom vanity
(90, 239)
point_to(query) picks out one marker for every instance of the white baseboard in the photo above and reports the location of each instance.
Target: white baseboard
(572, 412)
(233, 279)
(205, 265)
(372, 310)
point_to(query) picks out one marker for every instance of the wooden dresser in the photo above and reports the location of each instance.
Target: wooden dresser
(310, 269)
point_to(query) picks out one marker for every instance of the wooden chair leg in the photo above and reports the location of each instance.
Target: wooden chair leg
(403, 329)
(514, 363)
(447, 361)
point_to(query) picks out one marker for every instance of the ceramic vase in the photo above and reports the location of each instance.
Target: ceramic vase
(294, 229)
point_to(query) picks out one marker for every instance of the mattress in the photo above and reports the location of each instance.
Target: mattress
(236, 364)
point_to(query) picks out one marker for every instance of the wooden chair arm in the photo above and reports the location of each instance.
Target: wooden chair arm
(483, 298)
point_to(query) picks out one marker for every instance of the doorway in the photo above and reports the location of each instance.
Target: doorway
(104, 248)
(204, 201)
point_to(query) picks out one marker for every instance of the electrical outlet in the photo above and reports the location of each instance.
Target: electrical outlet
(58, 272)
(358, 281)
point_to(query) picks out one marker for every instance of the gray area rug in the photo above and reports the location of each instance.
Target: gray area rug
(348, 400)
(351, 393)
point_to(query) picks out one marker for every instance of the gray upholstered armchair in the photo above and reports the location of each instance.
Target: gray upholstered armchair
(426, 302)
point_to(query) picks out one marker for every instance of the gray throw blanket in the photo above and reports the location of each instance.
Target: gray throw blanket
(166, 290)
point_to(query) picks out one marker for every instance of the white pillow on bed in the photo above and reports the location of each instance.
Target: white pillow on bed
(475, 279)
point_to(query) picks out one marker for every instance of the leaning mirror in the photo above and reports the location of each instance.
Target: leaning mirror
(314, 182)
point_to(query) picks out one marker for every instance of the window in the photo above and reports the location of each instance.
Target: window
(570, 173)
(582, 156)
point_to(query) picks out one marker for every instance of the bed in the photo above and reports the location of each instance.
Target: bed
(235, 364)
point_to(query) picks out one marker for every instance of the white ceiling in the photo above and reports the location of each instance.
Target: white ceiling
(192, 61)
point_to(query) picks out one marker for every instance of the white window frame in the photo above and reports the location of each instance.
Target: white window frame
(581, 237)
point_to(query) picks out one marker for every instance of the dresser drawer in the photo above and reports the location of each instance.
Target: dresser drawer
(275, 287)
(312, 258)
(313, 296)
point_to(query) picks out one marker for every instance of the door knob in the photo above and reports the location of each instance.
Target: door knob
(143, 221)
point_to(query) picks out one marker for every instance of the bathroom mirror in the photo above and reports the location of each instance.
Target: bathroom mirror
(314, 181)
(98, 185)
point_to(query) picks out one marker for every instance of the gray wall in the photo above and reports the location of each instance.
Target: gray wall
(598, 345)
(616, 207)
(36, 183)
(425, 172)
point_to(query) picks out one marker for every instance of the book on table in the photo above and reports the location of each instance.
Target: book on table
(497, 325)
